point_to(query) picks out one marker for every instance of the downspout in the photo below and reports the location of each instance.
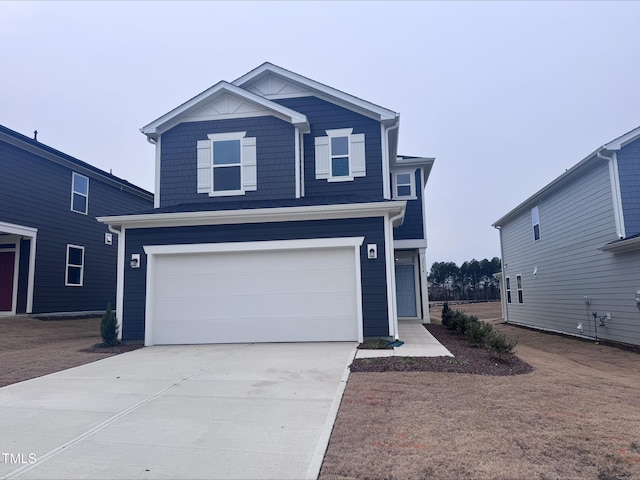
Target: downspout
(503, 295)
(119, 277)
(615, 192)
(156, 196)
(391, 290)
(386, 159)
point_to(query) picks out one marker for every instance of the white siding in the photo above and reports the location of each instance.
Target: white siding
(574, 222)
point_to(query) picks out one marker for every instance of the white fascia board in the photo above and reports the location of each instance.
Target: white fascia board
(21, 230)
(409, 244)
(254, 246)
(378, 112)
(258, 215)
(623, 246)
(173, 117)
(623, 140)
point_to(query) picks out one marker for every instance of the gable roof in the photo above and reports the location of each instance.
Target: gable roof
(209, 96)
(51, 154)
(250, 81)
(586, 163)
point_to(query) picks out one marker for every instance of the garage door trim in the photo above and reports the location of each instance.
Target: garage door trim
(154, 251)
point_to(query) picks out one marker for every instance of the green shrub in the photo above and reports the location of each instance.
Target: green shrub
(447, 314)
(459, 322)
(499, 346)
(109, 328)
(477, 332)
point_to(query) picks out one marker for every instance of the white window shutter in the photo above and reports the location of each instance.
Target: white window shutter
(205, 163)
(358, 160)
(323, 157)
(249, 164)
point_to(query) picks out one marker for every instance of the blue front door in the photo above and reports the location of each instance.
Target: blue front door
(406, 291)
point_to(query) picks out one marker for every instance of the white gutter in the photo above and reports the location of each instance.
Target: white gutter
(119, 277)
(157, 142)
(257, 215)
(297, 162)
(615, 192)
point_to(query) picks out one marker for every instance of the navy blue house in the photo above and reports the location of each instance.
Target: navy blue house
(282, 213)
(54, 256)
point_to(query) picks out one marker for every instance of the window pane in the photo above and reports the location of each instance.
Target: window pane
(404, 190)
(226, 152)
(508, 283)
(519, 281)
(536, 232)
(226, 178)
(73, 275)
(339, 145)
(520, 300)
(75, 256)
(79, 203)
(340, 167)
(80, 184)
(403, 179)
(509, 296)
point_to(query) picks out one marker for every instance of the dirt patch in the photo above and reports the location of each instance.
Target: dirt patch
(576, 416)
(30, 348)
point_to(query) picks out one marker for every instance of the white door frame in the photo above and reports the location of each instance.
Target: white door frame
(154, 251)
(19, 232)
(411, 258)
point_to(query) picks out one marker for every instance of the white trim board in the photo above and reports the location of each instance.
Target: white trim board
(260, 215)
(32, 234)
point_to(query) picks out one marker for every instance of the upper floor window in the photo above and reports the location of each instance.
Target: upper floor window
(508, 285)
(75, 266)
(79, 193)
(227, 164)
(535, 222)
(340, 156)
(519, 285)
(404, 185)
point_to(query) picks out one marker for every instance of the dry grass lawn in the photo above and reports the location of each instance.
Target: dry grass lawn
(576, 416)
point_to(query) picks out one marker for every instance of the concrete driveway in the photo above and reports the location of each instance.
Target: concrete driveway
(201, 411)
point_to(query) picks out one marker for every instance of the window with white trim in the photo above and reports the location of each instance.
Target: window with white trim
(535, 223)
(340, 156)
(508, 285)
(227, 164)
(404, 185)
(519, 285)
(74, 275)
(79, 193)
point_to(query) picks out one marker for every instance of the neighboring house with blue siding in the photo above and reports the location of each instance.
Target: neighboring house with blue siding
(282, 213)
(54, 256)
(571, 252)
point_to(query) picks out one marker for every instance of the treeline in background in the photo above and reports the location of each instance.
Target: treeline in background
(473, 280)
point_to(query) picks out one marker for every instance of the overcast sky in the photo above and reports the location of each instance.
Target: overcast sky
(506, 96)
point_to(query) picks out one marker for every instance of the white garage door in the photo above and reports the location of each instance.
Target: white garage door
(274, 295)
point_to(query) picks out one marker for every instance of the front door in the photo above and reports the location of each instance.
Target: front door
(406, 290)
(7, 263)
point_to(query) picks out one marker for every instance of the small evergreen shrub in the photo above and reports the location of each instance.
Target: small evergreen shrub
(477, 332)
(499, 346)
(109, 328)
(447, 314)
(459, 322)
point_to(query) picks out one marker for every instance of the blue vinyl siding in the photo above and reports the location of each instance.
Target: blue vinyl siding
(629, 174)
(275, 152)
(413, 226)
(36, 193)
(324, 116)
(374, 291)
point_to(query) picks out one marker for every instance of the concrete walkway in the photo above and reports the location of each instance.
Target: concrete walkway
(418, 342)
(181, 412)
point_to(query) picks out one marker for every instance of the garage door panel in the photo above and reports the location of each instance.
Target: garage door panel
(256, 296)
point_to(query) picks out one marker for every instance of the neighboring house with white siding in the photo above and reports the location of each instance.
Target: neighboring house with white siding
(571, 252)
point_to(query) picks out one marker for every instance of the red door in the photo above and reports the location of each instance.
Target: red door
(7, 262)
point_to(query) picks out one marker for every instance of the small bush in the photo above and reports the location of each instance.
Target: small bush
(477, 332)
(460, 322)
(499, 346)
(447, 314)
(109, 328)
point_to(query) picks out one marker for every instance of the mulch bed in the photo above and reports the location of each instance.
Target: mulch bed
(467, 359)
(122, 348)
